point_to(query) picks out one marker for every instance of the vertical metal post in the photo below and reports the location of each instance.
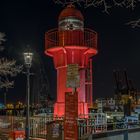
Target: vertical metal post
(126, 134)
(28, 62)
(28, 106)
(5, 98)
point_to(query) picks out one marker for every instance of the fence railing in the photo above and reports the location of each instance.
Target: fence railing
(39, 125)
(89, 127)
(55, 38)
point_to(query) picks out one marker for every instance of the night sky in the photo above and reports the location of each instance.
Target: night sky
(26, 21)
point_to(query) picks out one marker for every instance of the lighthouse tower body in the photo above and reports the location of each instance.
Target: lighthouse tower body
(71, 43)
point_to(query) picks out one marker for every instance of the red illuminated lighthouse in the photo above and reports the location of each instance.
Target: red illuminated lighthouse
(71, 43)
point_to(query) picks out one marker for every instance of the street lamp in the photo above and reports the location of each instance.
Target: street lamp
(28, 62)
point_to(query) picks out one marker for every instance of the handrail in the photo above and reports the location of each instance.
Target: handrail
(58, 38)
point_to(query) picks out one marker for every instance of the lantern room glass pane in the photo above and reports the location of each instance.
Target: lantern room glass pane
(71, 23)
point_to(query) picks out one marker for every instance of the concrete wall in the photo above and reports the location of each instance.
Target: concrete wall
(120, 137)
(134, 135)
(125, 134)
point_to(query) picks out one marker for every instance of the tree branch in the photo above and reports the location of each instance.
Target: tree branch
(7, 68)
(106, 5)
(5, 83)
(2, 39)
(134, 23)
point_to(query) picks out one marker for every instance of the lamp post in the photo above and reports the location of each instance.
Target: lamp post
(28, 62)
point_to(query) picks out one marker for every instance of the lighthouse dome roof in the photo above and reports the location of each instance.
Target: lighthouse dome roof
(71, 11)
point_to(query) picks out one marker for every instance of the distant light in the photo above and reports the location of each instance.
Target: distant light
(108, 117)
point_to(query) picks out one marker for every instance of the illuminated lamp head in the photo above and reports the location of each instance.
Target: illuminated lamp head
(71, 19)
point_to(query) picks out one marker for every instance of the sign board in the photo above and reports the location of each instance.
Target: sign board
(71, 115)
(55, 130)
(73, 78)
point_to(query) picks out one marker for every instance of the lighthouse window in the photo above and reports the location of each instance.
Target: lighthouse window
(71, 24)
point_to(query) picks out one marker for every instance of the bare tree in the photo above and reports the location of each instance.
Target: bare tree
(106, 5)
(8, 68)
